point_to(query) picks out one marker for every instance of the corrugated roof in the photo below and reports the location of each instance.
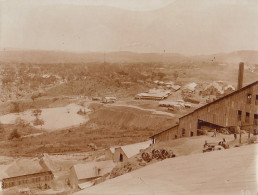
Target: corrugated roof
(89, 169)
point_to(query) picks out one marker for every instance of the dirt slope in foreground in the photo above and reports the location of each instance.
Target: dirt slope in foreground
(219, 172)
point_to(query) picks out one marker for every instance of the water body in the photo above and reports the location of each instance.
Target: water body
(54, 118)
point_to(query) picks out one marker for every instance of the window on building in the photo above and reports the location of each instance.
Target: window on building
(249, 98)
(183, 132)
(99, 171)
(255, 119)
(239, 115)
(247, 117)
(256, 100)
(121, 158)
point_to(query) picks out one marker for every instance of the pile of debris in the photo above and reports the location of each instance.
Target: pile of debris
(157, 154)
(122, 169)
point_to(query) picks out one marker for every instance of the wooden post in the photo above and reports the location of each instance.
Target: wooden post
(240, 75)
(240, 134)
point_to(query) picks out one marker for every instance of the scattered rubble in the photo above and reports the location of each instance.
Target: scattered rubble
(157, 154)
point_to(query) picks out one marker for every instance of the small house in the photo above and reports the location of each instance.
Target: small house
(123, 153)
(82, 175)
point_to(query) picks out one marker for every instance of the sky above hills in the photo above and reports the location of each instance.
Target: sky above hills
(190, 27)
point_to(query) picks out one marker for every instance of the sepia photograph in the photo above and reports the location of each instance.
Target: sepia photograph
(128, 97)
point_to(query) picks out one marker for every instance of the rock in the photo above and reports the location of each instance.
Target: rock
(142, 164)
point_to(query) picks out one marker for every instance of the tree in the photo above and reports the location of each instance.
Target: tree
(175, 74)
(37, 120)
(14, 134)
(1, 127)
(161, 75)
(20, 122)
(36, 113)
(16, 107)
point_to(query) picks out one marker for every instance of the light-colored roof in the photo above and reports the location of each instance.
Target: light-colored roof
(175, 87)
(24, 167)
(168, 103)
(89, 169)
(191, 86)
(215, 85)
(133, 149)
(85, 185)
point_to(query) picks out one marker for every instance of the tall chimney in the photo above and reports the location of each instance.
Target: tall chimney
(240, 75)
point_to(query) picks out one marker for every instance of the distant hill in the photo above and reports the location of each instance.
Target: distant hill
(40, 56)
(247, 56)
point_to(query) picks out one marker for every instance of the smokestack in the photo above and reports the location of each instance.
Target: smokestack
(240, 75)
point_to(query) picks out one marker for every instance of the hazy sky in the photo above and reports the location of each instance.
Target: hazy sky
(182, 26)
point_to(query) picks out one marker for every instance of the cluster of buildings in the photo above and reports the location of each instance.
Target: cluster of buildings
(239, 108)
(86, 174)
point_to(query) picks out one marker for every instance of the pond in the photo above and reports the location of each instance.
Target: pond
(54, 118)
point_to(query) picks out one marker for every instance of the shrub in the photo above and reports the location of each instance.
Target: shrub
(15, 107)
(14, 134)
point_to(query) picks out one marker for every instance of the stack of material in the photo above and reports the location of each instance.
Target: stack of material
(154, 94)
(175, 105)
(192, 100)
